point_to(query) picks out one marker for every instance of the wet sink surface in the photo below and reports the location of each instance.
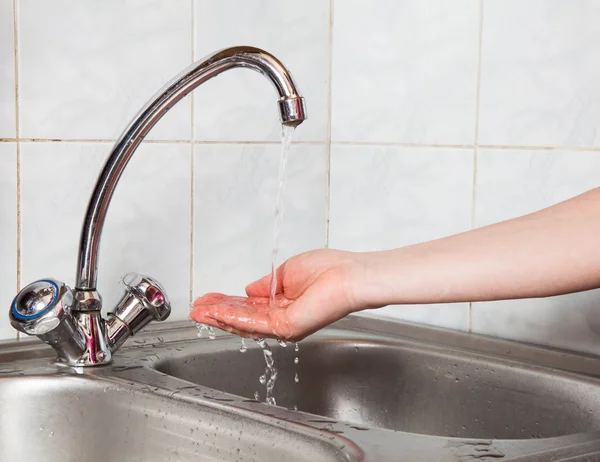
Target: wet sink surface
(369, 391)
(402, 386)
(70, 418)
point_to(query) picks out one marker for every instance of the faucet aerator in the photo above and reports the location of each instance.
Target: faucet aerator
(292, 111)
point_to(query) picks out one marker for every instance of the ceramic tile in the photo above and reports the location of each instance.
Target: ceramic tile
(405, 71)
(7, 71)
(388, 197)
(240, 105)
(8, 234)
(513, 183)
(539, 73)
(450, 315)
(147, 229)
(90, 82)
(235, 194)
(569, 321)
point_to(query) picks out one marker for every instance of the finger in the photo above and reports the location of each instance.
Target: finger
(262, 287)
(255, 324)
(210, 299)
(229, 329)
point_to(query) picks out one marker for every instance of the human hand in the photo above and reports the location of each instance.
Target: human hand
(314, 289)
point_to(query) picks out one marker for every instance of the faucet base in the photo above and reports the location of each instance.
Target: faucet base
(96, 351)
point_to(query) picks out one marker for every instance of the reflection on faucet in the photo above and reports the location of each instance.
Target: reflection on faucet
(70, 320)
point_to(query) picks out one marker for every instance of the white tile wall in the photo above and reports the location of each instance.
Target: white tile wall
(241, 105)
(539, 73)
(513, 183)
(235, 190)
(8, 233)
(403, 72)
(387, 197)
(86, 68)
(7, 71)
(147, 228)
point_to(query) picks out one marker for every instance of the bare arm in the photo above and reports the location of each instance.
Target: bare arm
(550, 252)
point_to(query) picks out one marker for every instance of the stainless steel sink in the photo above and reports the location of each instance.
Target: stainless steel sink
(369, 390)
(400, 385)
(56, 416)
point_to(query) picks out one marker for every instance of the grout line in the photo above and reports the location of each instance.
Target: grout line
(18, 146)
(192, 160)
(328, 145)
(539, 148)
(340, 143)
(476, 150)
(278, 143)
(57, 140)
(406, 145)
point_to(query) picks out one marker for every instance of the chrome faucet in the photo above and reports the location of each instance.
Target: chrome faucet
(71, 320)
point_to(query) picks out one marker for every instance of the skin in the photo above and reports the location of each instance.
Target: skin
(550, 252)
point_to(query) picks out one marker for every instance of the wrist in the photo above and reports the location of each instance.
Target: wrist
(362, 282)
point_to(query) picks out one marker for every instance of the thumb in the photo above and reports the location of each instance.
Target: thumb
(262, 287)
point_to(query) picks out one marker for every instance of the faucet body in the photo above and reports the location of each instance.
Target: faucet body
(71, 320)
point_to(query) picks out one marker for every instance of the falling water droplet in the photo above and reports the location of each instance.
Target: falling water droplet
(296, 347)
(243, 347)
(211, 333)
(296, 360)
(256, 396)
(270, 371)
(282, 343)
(201, 329)
(296, 378)
(262, 379)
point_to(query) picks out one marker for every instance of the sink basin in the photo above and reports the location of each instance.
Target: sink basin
(400, 385)
(69, 418)
(368, 390)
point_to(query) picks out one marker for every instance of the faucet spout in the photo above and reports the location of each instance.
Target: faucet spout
(292, 112)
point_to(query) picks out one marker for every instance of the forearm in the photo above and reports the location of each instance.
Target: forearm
(550, 252)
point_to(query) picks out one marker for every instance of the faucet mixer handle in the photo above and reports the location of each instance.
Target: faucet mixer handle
(45, 308)
(143, 300)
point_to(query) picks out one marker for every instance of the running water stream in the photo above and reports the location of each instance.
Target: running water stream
(270, 376)
(286, 142)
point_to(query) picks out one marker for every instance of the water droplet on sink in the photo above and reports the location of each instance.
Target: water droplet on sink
(51, 434)
(457, 379)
